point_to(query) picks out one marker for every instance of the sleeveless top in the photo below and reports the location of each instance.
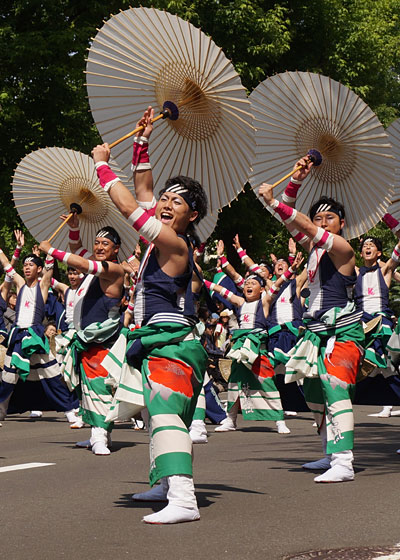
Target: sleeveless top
(251, 315)
(371, 293)
(30, 307)
(286, 308)
(163, 298)
(328, 287)
(3, 309)
(91, 305)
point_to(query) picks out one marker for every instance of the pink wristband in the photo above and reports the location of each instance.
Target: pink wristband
(239, 281)
(255, 268)
(224, 261)
(74, 234)
(209, 285)
(17, 253)
(201, 248)
(396, 254)
(290, 193)
(140, 157)
(286, 213)
(241, 253)
(106, 175)
(59, 255)
(390, 221)
(286, 276)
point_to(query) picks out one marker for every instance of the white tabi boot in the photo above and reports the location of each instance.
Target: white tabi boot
(99, 441)
(228, 424)
(87, 443)
(281, 427)
(198, 431)
(156, 494)
(325, 462)
(182, 504)
(384, 413)
(341, 468)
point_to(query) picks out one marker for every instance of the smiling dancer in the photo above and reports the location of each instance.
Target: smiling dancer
(172, 362)
(334, 337)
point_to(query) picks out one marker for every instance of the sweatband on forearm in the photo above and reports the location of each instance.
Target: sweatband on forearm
(273, 290)
(59, 255)
(106, 175)
(391, 222)
(323, 239)
(74, 235)
(290, 193)
(241, 253)
(17, 252)
(396, 254)
(10, 271)
(224, 292)
(49, 262)
(286, 276)
(239, 281)
(147, 226)
(255, 268)
(300, 237)
(146, 205)
(200, 249)
(95, 268)
(224, 261)
(140, 156)
(54, 283)
(286, 213)
(84, 253)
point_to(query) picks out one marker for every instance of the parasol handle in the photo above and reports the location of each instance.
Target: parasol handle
(161, 116)
(61, 226)
(75, 209)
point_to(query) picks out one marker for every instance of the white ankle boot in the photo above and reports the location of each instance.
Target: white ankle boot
(198, 431)
(341, 469)
(281, 427)
(99, 441)
(182, 504)
(156, 494)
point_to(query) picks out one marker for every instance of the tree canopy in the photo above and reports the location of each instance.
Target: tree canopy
(43, 96)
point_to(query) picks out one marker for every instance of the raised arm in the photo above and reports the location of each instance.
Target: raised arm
(20, 239)
(225, 293)
(338, 248)
(142, 174)
(226, 266)
(11, 275)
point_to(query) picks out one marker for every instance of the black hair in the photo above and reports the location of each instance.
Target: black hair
(375, 240)
(110, 233)
(35, 259)
(196, 194)
(330, 204)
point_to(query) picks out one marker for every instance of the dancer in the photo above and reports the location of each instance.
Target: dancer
(172, 362)
(31, 379)
(251, 383)
(96, 319)
(333, 339)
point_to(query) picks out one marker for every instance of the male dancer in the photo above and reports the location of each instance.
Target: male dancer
(172, 362)
(31, 379)
(334, 334)
(251, 383)
(96, 322)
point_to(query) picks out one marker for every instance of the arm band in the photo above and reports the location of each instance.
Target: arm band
(239, 281)
(106, 175)
(273, 290)
(17, 252)
(59, 255)
(391, 222)
(74, 235)
(140, 157)
(300, 237)
(10, 271)
(255, 268)
(286, 276)
(130, 308)
(49, 262)
(286, 213)
(290, 193)
(95, 268)
(323, 239)
(200, 249)
(396, 254)
(54, 283)
(209, 285)
(148, 205)
(148, 226)
(224, 261)
(241, 253)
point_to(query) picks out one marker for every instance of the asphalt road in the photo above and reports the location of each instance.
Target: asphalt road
(255, 499)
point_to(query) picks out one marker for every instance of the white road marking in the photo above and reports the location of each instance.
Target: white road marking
(24, 466)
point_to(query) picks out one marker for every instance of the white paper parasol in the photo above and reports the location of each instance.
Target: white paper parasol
(144, 56)
(297, 111)
(47, 181)
(393, 131)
